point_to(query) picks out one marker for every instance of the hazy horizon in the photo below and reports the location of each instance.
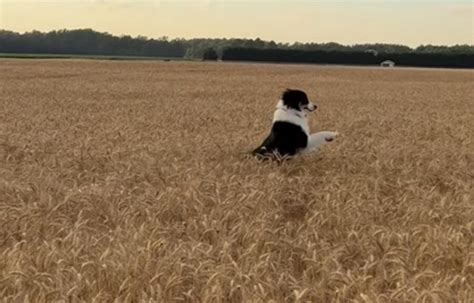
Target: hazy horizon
(411, 23)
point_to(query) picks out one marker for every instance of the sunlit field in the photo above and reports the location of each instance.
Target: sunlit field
(129, 181)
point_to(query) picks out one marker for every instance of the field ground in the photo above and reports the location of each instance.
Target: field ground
(127, 181)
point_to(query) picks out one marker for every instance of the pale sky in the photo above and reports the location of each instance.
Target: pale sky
(409, 22)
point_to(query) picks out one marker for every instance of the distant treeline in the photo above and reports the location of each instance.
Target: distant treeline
(90, 42)
(421, 59)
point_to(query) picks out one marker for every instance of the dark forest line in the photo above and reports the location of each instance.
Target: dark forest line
(417, 59)
(90, 42)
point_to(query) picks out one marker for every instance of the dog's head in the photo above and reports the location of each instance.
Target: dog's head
(298, 100)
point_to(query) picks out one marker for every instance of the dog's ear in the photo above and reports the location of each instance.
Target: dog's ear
(285, 94)
(293, 98)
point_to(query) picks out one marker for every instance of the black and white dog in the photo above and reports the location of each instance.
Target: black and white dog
(290, 131)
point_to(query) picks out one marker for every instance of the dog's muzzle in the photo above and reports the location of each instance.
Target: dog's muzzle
(311, 107)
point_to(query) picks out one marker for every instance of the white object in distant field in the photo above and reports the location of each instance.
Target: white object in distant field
(387, 63)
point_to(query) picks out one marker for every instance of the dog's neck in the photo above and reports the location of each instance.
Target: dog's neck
(293, 111)
(285, 114)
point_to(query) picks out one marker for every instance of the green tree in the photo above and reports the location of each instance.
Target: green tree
(210, 54)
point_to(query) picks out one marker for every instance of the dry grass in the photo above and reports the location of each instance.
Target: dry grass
(126, 181)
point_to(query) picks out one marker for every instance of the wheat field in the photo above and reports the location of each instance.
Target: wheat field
(128, 182)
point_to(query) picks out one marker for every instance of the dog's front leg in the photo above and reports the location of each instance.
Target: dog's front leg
(317, 140)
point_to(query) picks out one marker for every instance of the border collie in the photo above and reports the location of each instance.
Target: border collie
(290, 131)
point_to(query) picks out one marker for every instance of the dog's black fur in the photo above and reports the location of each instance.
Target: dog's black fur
(285, 139)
